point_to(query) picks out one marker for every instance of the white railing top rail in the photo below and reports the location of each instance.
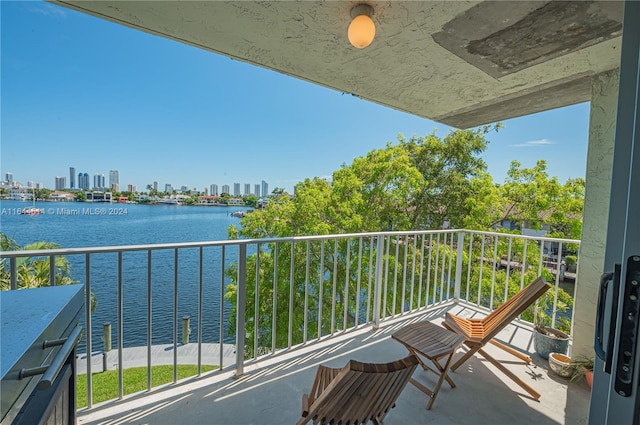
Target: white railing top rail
(537, 238)
(179, 245)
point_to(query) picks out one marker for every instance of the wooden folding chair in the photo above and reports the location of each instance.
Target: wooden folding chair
(478, 332)
(357, 393)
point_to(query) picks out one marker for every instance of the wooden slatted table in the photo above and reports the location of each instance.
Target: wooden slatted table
(430, 341)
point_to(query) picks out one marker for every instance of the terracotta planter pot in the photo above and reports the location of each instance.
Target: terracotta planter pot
(588, 374)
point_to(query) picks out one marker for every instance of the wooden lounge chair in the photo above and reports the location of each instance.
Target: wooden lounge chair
(478, 332)
(357, 393)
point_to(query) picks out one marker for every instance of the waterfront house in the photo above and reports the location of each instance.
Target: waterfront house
(62, 196)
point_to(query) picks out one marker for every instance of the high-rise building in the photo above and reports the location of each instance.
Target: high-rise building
(83, 181)
(213, 189)
(131, 188)
(99, 182)
(247, 189)
(114, 180)
(72, 178)
(184, 188)
(9, 177)
(155, 186)
(30, 184)
(265, 188)
(236, 189)
(256, 189)
(61, 183)
(168, 188)
(39, 185)
(225, 189)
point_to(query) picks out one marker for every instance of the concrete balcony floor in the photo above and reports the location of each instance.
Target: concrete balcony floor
(270, 390)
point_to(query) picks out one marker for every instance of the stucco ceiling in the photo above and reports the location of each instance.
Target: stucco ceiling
(456, 62)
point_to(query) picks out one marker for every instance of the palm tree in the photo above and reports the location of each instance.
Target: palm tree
(33, 272)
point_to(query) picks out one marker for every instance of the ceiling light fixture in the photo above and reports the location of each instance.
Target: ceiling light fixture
(361, 29)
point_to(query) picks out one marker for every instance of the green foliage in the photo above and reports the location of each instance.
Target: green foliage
(81, 196)
(33, 272)
(420, 183)
(530, 196)
(580, 366)
(251, 201)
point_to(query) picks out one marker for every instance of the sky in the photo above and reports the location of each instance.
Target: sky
(77, 91)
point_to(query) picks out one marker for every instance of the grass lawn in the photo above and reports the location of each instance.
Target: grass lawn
(105, 384)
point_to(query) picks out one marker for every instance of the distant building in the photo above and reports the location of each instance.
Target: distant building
(62, 196)
(265, 188)
(235, 201)
(99, 182)
(114, 179)
(213, 190)
(155, 186)
(83, 181)
(184, 188)
(209, 200)
(256, 189)
(72, 177)
(9, 177)
(247, 189)
(98, 196)
(168, 188)
(61, 183)
(39, 185)
(236, 189)
(225, 189)
(30, 184)
(131, 188)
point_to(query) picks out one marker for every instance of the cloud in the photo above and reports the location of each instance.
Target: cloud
(533, 143)
(49, 10)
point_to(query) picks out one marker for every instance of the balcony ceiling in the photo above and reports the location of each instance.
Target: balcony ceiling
(456, 62)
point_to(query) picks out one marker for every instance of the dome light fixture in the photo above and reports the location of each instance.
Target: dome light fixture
(361, 29)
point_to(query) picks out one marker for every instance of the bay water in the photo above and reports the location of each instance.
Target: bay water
(84, 225)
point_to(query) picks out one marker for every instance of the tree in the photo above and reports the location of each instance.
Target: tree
(386, 189)
(531, 197)
(251, 201)
(420, 183)
(33, 272)
(81, 196)
(447, 166)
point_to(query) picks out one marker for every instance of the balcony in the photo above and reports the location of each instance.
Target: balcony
(289, 304)
(271, 388)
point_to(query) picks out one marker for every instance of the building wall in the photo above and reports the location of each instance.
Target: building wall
(596, 209)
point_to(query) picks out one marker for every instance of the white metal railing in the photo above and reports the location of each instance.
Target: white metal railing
(285, 292)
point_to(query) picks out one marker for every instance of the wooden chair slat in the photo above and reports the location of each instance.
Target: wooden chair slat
(358, 392)
(478, 332)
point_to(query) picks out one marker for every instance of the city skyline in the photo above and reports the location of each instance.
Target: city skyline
(99, 183)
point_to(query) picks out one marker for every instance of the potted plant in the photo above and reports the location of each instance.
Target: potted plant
(562, 365)
(582, 366)
(546, 339)
(571, 262)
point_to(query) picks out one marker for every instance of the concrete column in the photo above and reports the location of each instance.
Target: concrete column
(602, 120)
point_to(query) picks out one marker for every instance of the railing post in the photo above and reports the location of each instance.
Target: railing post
(106, 338)
(14, 273)
(377, 295)
(458, 281)
(240, 308)
(186, 329)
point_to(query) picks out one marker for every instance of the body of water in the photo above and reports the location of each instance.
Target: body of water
(80, 225)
